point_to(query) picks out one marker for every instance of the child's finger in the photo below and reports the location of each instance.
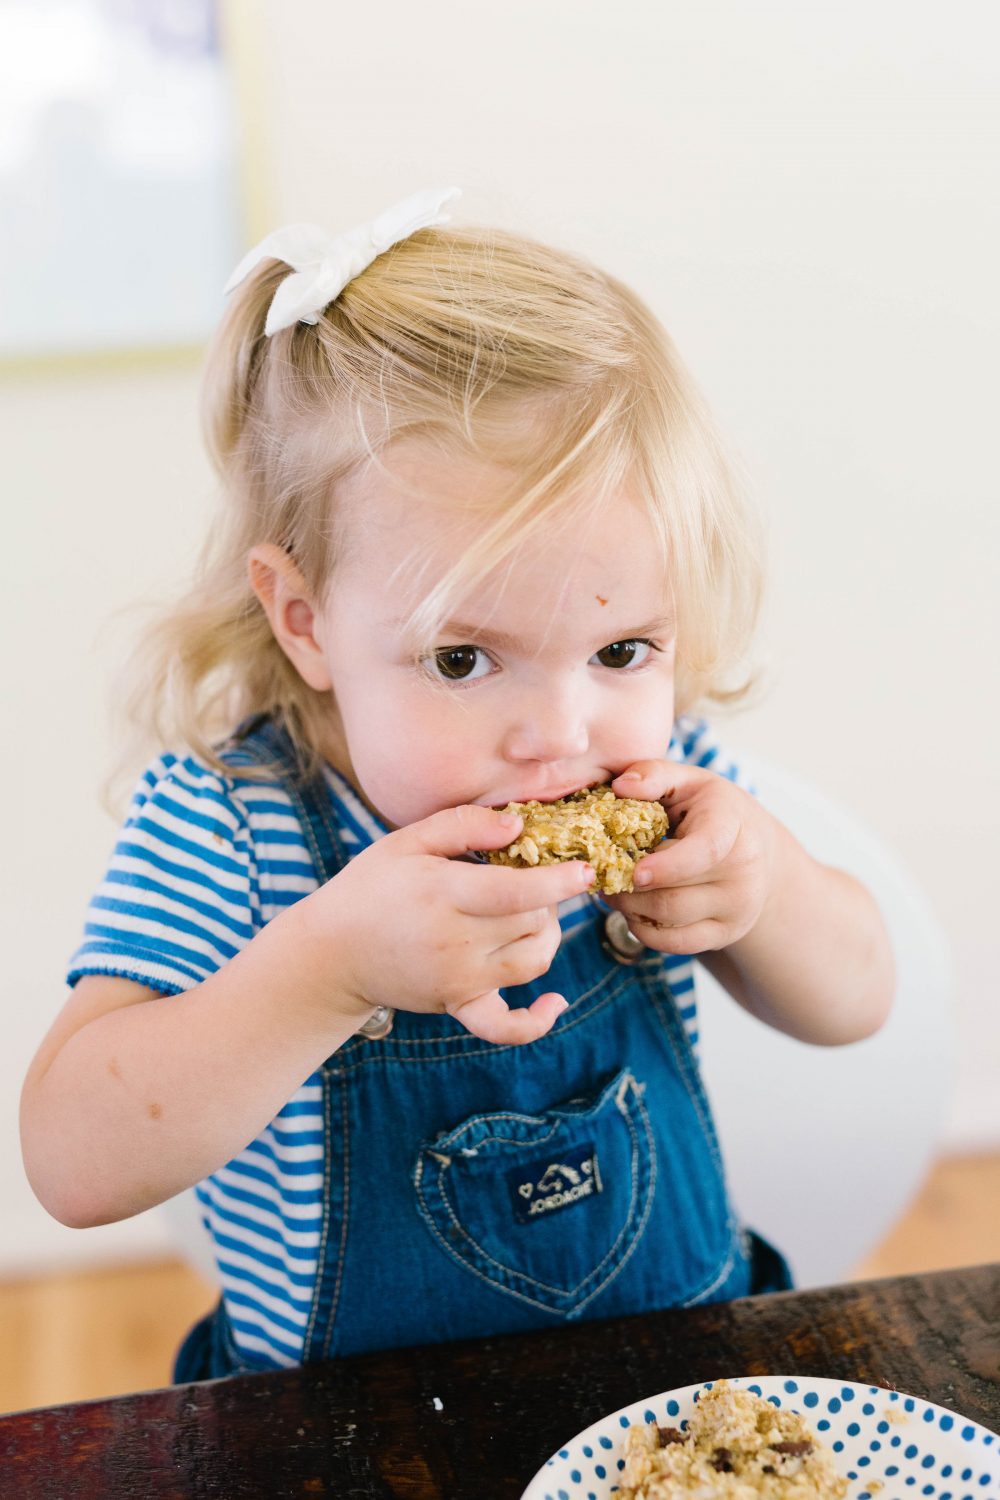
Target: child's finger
(699, 937)
(657, 780)
(496, 933)
(526, 954)
(459, 830)
(490, 1017)
(690, 858)
(671, 906)
(499, 890)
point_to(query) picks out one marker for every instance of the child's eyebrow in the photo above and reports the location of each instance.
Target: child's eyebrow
(466, 632)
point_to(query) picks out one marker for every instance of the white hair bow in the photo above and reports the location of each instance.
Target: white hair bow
(323, 265)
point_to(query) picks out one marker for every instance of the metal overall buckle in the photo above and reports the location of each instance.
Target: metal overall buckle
(620, 941)
(378, 1024)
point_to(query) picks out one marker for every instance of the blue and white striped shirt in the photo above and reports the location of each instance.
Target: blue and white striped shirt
(202, 863)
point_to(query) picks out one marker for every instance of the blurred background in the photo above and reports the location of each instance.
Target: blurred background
(808, 198)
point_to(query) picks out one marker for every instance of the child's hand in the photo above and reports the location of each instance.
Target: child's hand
(707, 885)
(408, 925)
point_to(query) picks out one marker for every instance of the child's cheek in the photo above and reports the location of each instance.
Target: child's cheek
(412, 785)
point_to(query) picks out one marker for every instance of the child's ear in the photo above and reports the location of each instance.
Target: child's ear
(285, 599)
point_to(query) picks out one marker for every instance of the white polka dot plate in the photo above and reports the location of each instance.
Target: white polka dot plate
(890, 1445)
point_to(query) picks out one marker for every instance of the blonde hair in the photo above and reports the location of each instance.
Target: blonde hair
(483, 342)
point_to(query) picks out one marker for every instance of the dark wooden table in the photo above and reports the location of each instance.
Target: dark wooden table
(475, 1420)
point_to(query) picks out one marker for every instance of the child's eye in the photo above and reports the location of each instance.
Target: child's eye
(460, 663)
(631, 653)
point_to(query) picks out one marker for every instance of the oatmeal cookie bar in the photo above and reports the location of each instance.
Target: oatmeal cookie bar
(736, 1447)
(611, 832)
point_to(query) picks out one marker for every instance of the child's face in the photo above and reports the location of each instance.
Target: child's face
(555, 673)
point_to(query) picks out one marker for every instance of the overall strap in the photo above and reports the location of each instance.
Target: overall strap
(269, 744)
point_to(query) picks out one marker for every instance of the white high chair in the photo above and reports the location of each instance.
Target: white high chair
(824, 1146)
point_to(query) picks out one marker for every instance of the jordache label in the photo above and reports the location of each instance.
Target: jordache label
(551, 1183)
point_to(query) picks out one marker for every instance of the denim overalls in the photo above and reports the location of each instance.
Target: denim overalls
(474, 1189)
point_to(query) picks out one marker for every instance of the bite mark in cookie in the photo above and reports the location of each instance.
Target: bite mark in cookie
(611, 832)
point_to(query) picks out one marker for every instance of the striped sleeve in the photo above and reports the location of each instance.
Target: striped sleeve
(694, 742)
(180, 896)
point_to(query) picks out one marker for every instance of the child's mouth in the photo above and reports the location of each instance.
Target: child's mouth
(551, 794)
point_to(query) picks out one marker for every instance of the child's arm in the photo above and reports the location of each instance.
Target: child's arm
(800, 945)
(133, 1097)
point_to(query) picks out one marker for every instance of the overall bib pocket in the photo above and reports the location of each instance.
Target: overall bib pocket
(548, 1207)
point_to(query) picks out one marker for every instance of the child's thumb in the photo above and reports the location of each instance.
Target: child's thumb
(462, 830)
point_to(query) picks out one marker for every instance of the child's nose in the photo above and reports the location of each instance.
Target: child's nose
(549, 729)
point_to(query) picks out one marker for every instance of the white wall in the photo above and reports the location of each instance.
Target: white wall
(808, 198)
(104, 491)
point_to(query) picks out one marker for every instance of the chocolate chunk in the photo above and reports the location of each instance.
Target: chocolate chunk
(793, 1450)
(721, 1461)
(768, 1469)
(670, 1435)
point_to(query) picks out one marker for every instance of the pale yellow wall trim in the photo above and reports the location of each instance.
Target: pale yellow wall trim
(243, 29)
(96, 362)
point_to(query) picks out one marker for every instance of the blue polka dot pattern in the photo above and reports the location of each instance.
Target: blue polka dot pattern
(879, 1434)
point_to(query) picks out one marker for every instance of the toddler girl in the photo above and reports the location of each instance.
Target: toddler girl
(479, 544)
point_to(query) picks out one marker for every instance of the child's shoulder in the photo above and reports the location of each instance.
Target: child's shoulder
(230, 803)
